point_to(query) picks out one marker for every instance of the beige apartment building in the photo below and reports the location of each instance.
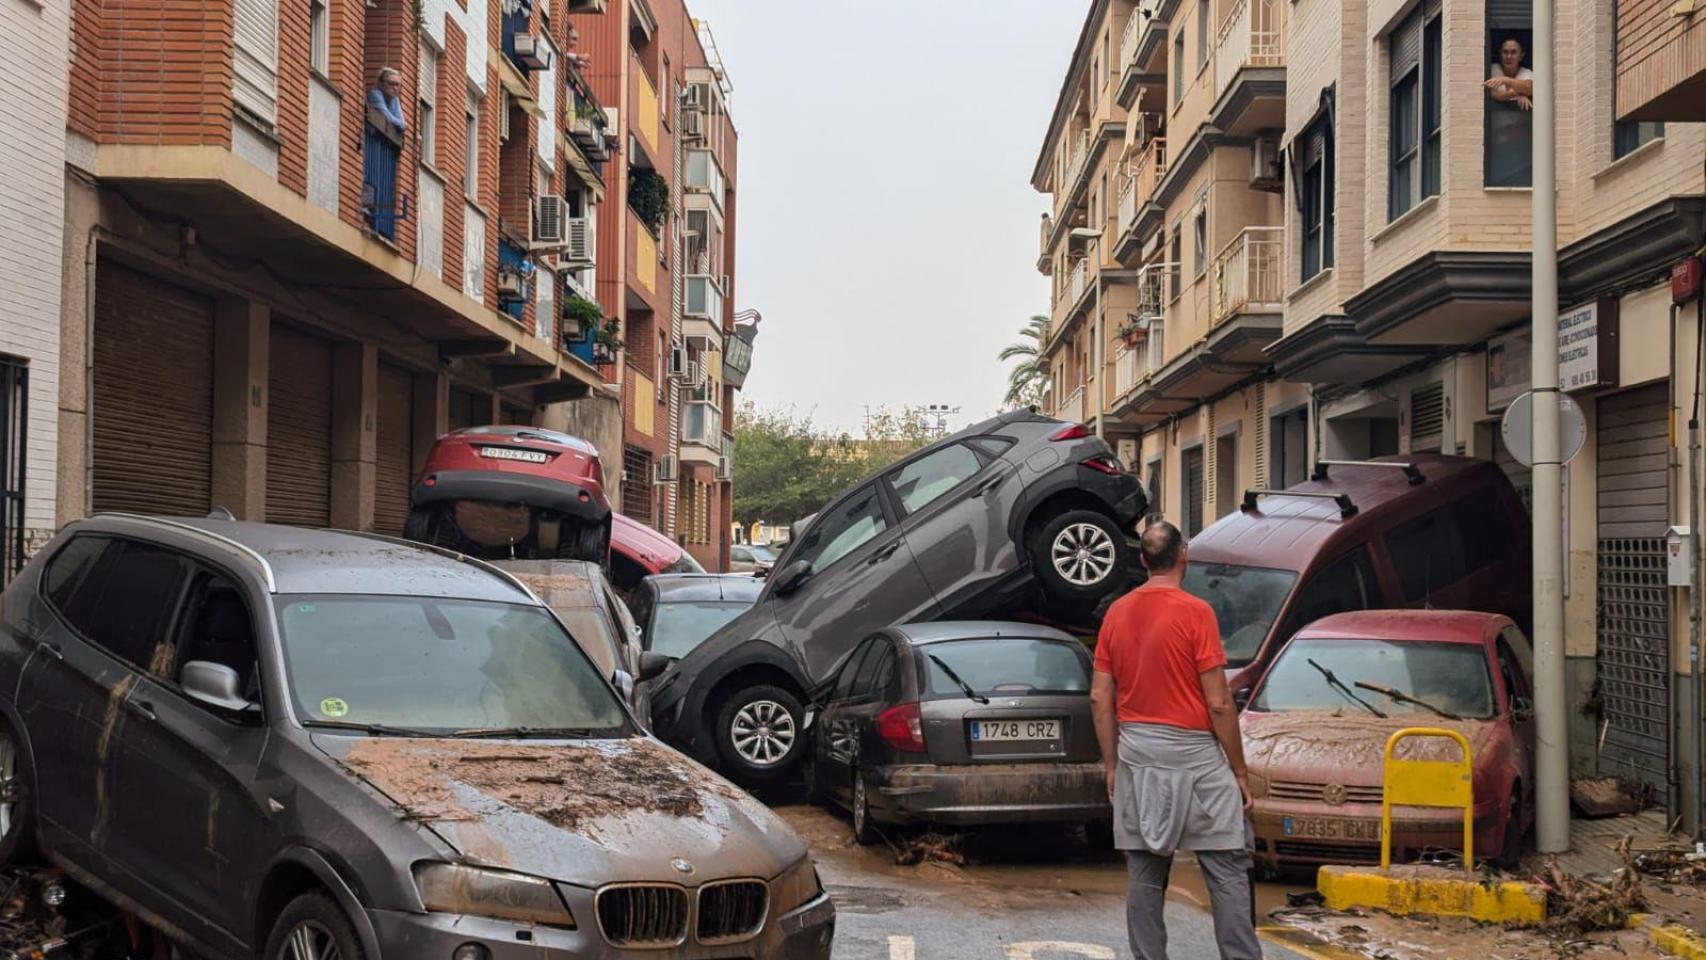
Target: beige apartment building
(1319, 248)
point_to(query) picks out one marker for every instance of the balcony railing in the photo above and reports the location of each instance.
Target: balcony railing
(381, 147)
(1157, 346)
(1247, 272)
(1128, 200)
(1071, 409)
(1128, 42)
(1042, 242)
(1129, 367)
(702, 425)
(1146, 173)
(1075, 164)
(1252, 35)
(1078, 282)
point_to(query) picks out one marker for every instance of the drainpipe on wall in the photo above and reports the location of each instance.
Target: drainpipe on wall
(1698, 700)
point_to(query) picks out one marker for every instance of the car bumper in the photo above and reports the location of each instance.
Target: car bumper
(1414, 832)
(806, 933)
(498, 486)
(990, 793)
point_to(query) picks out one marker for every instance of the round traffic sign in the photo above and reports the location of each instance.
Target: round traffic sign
(1518, 428)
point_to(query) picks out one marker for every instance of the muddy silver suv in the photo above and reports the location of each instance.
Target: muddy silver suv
(286, 743)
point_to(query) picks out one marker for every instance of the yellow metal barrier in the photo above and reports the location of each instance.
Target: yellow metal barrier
(1428, 783)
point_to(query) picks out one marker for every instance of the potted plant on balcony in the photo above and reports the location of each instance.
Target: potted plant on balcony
(607, 343)
(648, 195)
(1133, 330)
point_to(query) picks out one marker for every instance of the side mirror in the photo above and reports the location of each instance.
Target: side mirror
(624, 683)
(216, 685)
(652, 665)
(791, 577)
(761, 573)
(1522, 710)
(1241, 698)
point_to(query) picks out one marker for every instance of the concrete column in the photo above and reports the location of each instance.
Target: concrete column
(241, 358)
(496, 413)
(77, 305)
(431, 413)
(355, 412)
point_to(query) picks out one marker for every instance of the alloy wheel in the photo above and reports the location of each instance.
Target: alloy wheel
(763, 732)
(1083, 554)
(9, 786)
(310, 940)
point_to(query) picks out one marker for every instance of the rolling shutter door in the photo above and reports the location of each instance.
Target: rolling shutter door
(1193, 492)
(1427, 417)
(393, 471)
(299, 430)
(153, 396)
(1634, 613)
(255, 58)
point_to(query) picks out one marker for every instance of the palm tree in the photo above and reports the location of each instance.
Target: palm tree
(1027, 382)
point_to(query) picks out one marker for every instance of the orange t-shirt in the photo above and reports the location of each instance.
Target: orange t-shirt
(1156, 642)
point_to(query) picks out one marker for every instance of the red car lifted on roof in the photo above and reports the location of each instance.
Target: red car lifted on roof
(518, 492)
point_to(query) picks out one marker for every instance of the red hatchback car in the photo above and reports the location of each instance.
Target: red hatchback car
(1315, 733)
(513, 492)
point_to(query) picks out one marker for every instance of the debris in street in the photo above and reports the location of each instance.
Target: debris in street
(1584, 904)
(44, 916)
(1605, 797)
(932, 848)
(1673, 863)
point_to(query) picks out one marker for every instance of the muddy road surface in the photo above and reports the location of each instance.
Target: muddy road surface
(1024, 894)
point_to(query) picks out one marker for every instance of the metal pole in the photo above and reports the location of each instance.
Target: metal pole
(1101, 336)
(1552, 750)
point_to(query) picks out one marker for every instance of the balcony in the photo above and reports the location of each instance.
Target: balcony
(705, 175)
(645, 106)
(524, 50)
(382, 146)
(701, 432)
(1071, 409)
(1249, 68)
(702, 314)
(1044, 261)
(1076, 161)
(1247, 274)
(1144, 32)
(1131, 365)
(588, 124)
(1142, 214)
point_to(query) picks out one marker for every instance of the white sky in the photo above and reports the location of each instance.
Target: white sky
(887, 228)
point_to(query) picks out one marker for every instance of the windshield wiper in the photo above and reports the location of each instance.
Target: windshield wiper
(980, 698)
(522, 733)
(1339, 685)
(1403, 697)
(371, 729)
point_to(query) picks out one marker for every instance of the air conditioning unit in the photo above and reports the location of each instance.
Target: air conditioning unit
(694, 97)
(511, 285)
(1265, 164)
(678, 362)
(532, 52)
(667, 470)
(693, 125)
(578, 242)
(550, 216)
(725, 469)
(694, 376)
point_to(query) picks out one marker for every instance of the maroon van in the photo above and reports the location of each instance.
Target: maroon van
(1419, 531)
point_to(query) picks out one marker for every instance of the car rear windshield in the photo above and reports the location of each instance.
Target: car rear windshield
(1450, 676)
(679, 626)
(1245, 600)
(528, 433)
(685, 565)
(440, 665)
(1008, 666)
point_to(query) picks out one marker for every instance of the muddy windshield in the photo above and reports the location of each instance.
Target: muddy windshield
(1006, 666)
(1448, 676)
(1245, 600)
(680, 626)
(439, 665)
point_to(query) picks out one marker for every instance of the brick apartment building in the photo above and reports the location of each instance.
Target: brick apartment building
(280, 297)
(1300, 231)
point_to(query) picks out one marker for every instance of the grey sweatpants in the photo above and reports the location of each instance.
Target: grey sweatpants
(1227, 875)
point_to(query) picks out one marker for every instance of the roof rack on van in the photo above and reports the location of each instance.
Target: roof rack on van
(1410, 469)
(1347, 509)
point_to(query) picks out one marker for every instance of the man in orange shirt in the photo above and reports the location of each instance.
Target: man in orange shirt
(1173, 753)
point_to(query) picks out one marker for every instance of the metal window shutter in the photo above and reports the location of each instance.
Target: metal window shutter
(256, 58)
(1427, 417)
(1193, 492)
(393, 471)
(1633, 435)
(153, 396)
(1261, 432)
(1406, 46)
(299, 429)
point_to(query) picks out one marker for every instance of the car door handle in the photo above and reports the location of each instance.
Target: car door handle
(141, 708)
(991, 485)
(51, 649)
(884, 553)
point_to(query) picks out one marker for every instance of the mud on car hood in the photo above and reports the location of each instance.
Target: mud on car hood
(1347, 747)
(584, 812)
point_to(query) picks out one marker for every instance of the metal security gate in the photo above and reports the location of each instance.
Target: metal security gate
(393, 450)
(14, 460)
(637, 483)
(153, 396)
(299, 429)
(1634, 657)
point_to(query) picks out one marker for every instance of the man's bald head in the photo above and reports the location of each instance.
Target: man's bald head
(1162, 547)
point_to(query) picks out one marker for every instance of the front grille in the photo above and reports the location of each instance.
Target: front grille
(732, 911)
(1316, 852)
(643, 915)
(1314, 792)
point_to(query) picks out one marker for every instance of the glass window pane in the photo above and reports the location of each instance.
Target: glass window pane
(848, 526)
(1245, 601)
(1451, 676)
(1008, 666)
(129, 599)
(1426, 553)
(681, 626)
(921, 482)
(1431, 96)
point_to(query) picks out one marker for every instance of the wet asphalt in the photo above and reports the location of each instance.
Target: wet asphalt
(1026, 893)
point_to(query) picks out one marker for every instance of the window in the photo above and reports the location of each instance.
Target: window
(217, 628)
(319, 37)
(1175, 265)
(865, 683)
(68, 569)
(1450, 676)
(1511, 674)
(1485, 528)
(1202, 34)
(1346, 584)
(14, 461)
(1245, 601)
(851, 668)
(425, 125)
(1627, 137)
(848, 526)
(471, 148)
(1199, 235)
(923, 481)
(1225, 474)
(1317, 197)
(1192, 507)
(1004, 666)
(681, 625)
(1426, 554)
(1415, 84)
(1155, 486)
(1508, 130)
(1178, 66)
(1288, 446)
(124, 601)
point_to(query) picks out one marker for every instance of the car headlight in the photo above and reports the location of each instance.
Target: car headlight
(797, 886)
(499, 894)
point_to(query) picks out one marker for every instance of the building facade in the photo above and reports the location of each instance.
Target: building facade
(1364, 290)
(314, 236)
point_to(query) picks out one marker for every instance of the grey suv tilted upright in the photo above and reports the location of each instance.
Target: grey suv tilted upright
(973, 526)
(288, 743)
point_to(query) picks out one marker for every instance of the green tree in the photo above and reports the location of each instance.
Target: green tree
(786, 467)
(1027, 380)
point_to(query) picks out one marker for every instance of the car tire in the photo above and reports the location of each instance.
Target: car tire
(433, 525)
(313, 920)
(1079, 557)
(591, 542)
(1510, 842)
(770, 740)
(865, 831)
(17, 801)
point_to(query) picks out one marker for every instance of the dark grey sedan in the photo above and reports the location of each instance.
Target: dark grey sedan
(961, 723)
(290, 744)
